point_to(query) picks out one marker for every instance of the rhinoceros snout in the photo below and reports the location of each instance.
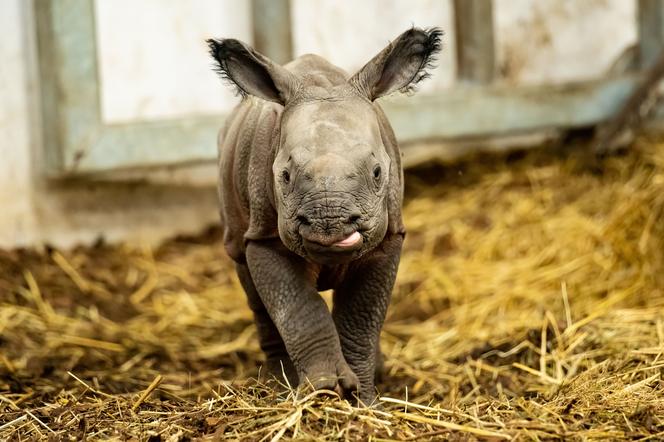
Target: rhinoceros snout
(330, 226)
(328, 211)
(328, 222)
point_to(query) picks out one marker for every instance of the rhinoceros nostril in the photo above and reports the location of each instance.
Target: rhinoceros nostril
(354, 218)
(302, 219)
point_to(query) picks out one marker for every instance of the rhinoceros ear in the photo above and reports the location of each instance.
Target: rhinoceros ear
(401, 65)
(251, 72)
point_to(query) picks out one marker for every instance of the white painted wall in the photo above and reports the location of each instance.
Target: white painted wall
(33, 211)
(349, 33)
(16, 220)
(158, 45)
(553, 41)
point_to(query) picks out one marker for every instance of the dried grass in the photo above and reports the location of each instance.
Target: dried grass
(529, 305)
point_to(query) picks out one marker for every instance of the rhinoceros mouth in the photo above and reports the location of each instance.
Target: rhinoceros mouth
(342, 239)
(350, 241)
(334, 249)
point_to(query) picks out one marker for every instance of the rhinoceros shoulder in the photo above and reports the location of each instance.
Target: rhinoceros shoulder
(246, 150)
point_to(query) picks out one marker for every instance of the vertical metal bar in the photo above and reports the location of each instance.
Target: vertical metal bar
(650, 30)
(272, 29)
(473, 21)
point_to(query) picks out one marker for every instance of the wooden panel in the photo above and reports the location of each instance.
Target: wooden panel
(559, 41)
(473, 23)
(475, 111)
(349, 34)
(51, 141)
(164, 73)
(459, 113)
(78, 142)
(75, 138)
(651, 30)
(149, 144)
(272, 29)
(68, 77)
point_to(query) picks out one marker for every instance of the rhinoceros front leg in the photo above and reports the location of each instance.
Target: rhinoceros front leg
(360, 305)
(288, 292)
(278, 362)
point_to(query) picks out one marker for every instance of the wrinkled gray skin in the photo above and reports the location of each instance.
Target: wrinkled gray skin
(311, 190)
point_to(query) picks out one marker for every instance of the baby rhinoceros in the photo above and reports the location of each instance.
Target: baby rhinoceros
(311, 189)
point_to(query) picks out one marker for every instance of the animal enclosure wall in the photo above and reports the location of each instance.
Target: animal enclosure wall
(99, 89)
(135, 98)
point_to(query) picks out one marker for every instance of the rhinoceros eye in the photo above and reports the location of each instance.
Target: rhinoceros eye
(285, 175)
(376, 172)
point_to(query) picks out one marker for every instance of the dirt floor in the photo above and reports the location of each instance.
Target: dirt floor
(529, 306)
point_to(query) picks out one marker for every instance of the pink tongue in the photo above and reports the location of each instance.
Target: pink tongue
(350, 241)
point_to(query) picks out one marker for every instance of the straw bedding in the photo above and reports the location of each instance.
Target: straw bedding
(529, 305)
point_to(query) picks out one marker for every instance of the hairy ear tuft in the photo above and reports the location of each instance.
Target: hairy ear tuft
(220, 53)
(250, 72)
(403, 64)
(431, 48)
